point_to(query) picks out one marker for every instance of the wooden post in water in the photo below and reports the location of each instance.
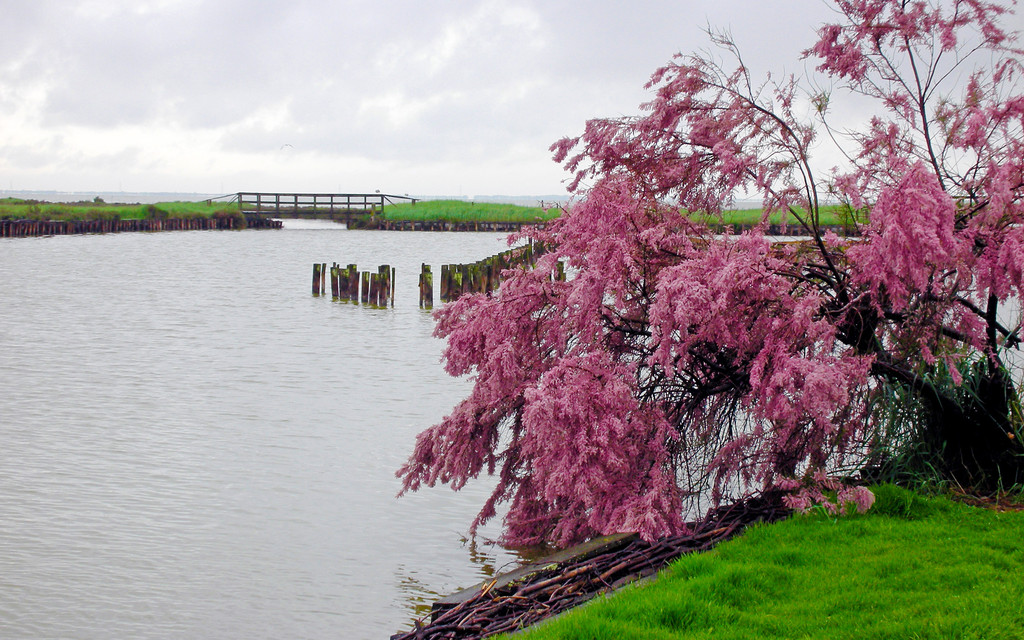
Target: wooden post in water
(365, 286)
(335, 281)
(342, 283)
(382, 288)
(374, 288)
(391, 285)
(458, 281)
(353, 283)
(316, 278)
(426, 287)
(494, 269)
(442, 285)
(466, 284)
(478, 278)
(384, 293)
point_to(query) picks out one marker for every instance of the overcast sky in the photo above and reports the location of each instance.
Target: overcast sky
(459, 97)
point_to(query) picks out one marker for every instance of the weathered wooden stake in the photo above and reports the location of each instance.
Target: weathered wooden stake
(457, 276)
(445, 284)
(386, 276)
(353, 283)
(342, 283)
(316, 278)
(426, 287)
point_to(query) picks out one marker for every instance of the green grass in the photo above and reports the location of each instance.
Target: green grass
(32, 210)
(913, 567)
(462, 211)
(432, 210)
(830, 215)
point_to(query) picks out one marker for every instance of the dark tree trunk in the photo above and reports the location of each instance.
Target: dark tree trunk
(979, 447)
(971, 432)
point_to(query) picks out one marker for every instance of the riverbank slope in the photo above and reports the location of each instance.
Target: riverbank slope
(913, 566)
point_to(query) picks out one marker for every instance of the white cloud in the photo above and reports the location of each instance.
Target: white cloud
(421, 97)
(396, 110)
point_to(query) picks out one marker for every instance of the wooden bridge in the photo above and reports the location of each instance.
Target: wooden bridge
(298, 204)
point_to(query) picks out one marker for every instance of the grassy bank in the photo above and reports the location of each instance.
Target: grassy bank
(462, 211)
(832, 215)
(913, 567)
(457, 211)
(16, 209)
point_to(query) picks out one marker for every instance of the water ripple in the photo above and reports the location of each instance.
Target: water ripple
(196, 447)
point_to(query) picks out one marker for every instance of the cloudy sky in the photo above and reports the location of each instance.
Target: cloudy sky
(461, 97)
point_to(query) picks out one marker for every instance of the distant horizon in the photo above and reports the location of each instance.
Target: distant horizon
(451, 98)
(152, 197)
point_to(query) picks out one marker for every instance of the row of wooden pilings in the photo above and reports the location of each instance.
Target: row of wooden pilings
(485, 276)
(348, 283)
(443, 225)
(456, 279)
(30, 228)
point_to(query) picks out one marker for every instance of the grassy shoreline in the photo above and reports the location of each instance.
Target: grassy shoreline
(17, 209)
(913, 566)
(454, 211)
(463, 211)
(830, 216)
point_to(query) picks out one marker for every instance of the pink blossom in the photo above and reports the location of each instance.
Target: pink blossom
(679, 363)
(911, 240)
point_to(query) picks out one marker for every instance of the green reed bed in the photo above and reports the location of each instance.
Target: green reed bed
(462, 211)
(13, 208)
(831, 215)
(430, 210)
(912, 567)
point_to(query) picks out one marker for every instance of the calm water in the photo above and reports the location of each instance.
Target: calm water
(192, 446)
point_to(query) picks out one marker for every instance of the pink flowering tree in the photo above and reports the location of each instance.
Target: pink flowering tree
(678, 365)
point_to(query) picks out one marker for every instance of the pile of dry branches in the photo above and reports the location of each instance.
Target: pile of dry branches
(558, 587)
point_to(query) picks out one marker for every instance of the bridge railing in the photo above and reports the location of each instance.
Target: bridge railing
(299, 203)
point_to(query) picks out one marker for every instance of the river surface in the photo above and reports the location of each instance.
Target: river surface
(193, 446)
